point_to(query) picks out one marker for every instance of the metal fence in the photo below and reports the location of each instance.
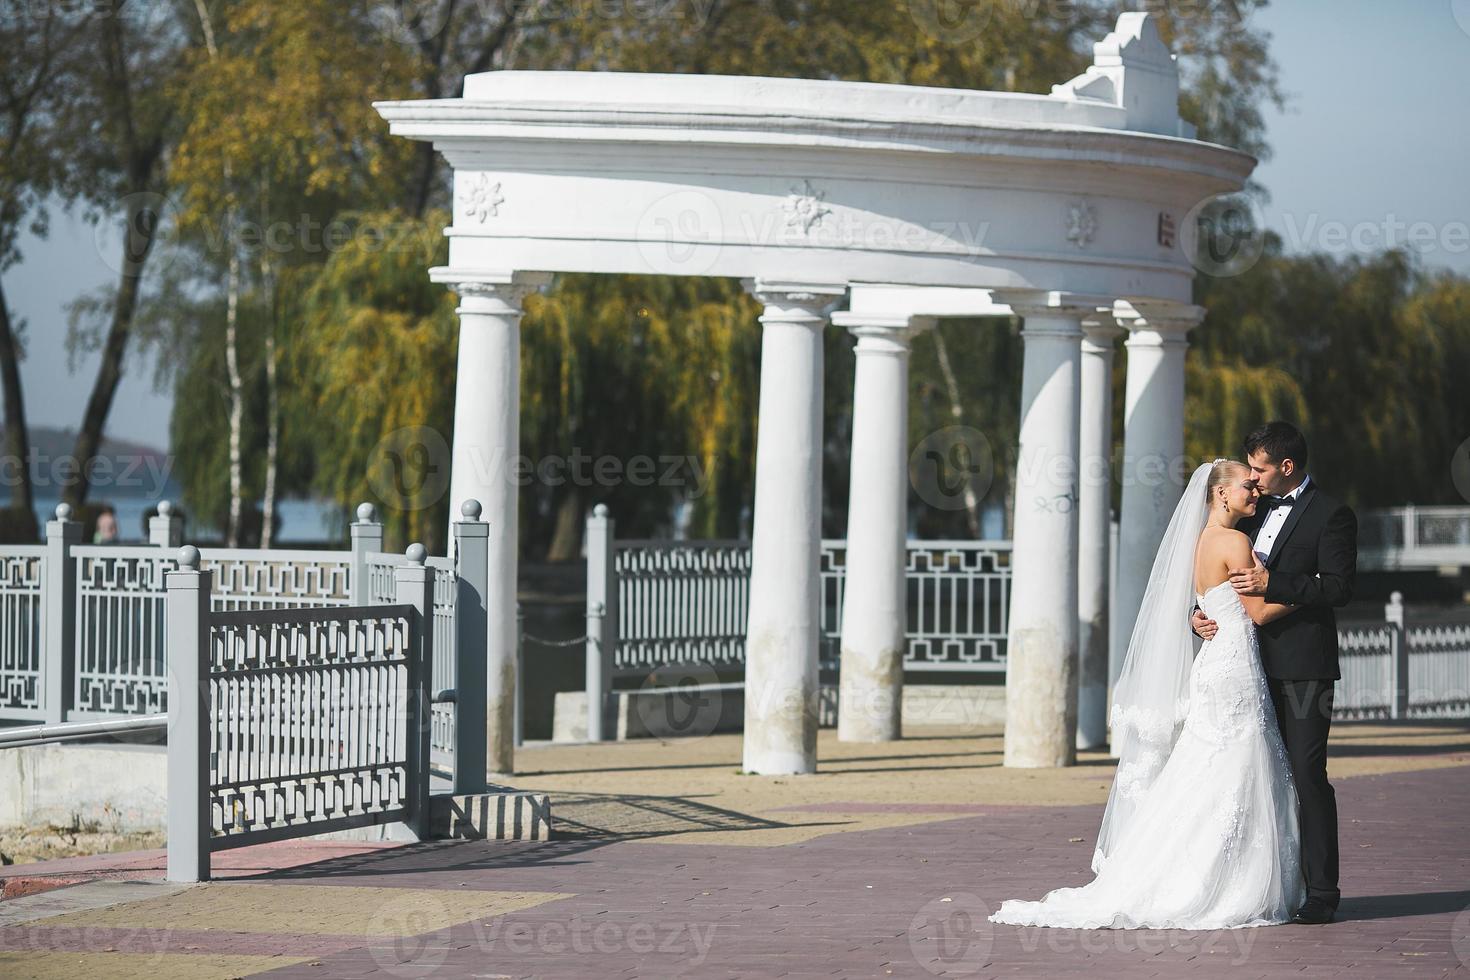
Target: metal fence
(1403, 671)
(958, 600)
(654, 604)
(22, 632)
(294, 722)
(83, 627)
(1414, 537)
(684, 603)
(381, 588)
(679, 602)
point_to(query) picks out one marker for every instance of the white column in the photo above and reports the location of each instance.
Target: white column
(785, 588)
(487, 430)
(874, 602)
(1153, 468)
(1041, 669)
(1094, 520)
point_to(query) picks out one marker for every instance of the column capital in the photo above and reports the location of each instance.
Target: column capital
(1158, 322)
(1099, 330)
(1050, 312)
(489, 290)
(882, 333)
(1051, 302)
(792, 301)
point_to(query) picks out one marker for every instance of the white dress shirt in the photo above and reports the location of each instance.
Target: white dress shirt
(1272, 525)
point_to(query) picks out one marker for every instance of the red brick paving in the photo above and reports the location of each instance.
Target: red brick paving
(873, 903)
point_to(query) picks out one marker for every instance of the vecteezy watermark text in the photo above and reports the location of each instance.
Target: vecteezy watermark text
(144, 472)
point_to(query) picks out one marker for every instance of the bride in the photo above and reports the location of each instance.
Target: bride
(1200, 830)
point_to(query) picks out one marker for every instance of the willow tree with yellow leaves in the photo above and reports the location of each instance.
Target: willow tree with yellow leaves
(279, 140)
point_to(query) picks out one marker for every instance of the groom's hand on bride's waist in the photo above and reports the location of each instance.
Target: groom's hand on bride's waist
(1203, 626)
(1250, 581)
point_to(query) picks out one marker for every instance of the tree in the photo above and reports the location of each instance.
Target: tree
(120, 124)
(40, 46)
(279, 137)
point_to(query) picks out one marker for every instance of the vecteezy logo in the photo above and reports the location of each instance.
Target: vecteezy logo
(952, 935)
(686, 704)
(407, 933)
(680, 233)
(952, 468)
(1224, 236)
(1460, 937)
(1460, 10)
(409, 468)
(1460, 469)
(135, 230)
(952, 21)
(414, 21)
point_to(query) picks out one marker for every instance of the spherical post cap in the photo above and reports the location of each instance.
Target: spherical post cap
(470, 509)
(600, 510)
(63, 511)
(165, 508)
(189, 558)
(366, 512)
(417, 554)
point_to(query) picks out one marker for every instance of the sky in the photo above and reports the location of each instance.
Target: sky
(1373, 150)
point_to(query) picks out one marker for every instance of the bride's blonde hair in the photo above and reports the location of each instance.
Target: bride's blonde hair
(1221, 473)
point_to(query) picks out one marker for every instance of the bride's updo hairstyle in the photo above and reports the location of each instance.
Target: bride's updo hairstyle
(1221, 474)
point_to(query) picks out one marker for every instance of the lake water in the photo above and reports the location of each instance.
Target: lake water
(301, 520)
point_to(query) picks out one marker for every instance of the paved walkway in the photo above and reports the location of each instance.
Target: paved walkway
(886, 864)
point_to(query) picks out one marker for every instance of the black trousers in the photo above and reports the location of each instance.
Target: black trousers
(1304, 713)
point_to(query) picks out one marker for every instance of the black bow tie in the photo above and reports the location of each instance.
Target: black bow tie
(1274, 502)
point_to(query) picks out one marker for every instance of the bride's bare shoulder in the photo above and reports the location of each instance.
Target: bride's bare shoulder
(1224, 540)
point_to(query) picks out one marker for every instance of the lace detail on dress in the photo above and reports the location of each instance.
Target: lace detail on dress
(1151, 726)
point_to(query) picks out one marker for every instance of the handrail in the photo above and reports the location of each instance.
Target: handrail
(15, 738)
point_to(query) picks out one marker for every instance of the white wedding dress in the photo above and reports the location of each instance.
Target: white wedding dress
(1214, 842)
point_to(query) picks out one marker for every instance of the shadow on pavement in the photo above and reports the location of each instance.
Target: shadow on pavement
(581, 822)
(1400, 906)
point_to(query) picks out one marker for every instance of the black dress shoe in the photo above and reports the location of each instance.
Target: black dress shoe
(1314, 913)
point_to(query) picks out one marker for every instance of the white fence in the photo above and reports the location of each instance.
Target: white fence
(83, 627)
(1399, 671)
(654, 605)
(1401, 538)
(684, 603)
(293, 722)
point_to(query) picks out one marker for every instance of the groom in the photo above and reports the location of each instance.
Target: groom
(1306, 547)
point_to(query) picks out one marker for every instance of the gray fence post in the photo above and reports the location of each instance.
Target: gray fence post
(187, 616)
(413, 584)
(476, 730)
(58, 659)
(166, 529)
(1393, 614)
(520, 675)
(602, 618)
(367, 537)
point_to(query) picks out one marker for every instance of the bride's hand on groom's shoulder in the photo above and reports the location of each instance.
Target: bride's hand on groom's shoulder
(1252, 580)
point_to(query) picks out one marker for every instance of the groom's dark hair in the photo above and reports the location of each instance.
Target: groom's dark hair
(1279, 440)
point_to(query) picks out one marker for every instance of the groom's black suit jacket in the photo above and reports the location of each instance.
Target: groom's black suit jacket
(1312, 564)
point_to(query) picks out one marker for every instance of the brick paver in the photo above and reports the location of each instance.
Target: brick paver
(906, 900)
